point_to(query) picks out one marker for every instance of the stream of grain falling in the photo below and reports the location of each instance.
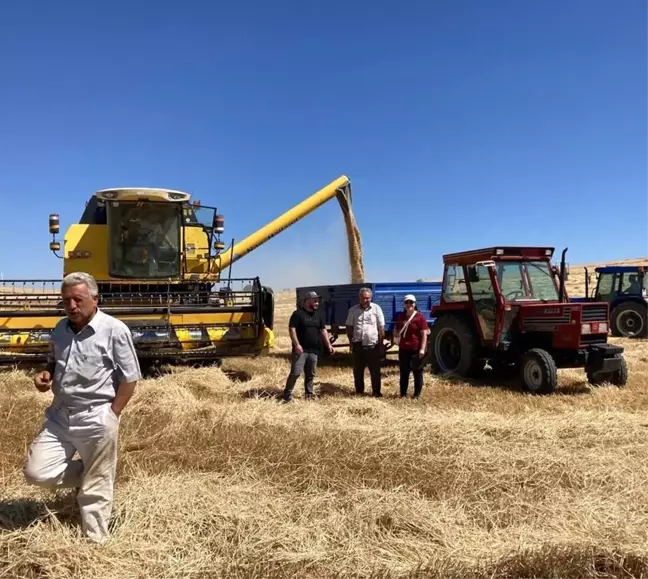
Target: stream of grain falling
(353, 239)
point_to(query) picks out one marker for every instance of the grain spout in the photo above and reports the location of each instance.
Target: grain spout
(353, 238)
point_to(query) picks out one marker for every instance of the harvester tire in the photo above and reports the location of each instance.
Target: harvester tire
(454, 347)
(538, 372)
(630, 320)
(617, 378)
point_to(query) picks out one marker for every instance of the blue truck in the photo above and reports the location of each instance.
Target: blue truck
(623, 287)
(337, 299)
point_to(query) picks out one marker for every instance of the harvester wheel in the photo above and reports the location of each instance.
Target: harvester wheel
(630, 320)
(454, 347)
(617, 378)
(538, 372)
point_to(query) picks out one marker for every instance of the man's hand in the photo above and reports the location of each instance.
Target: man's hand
(43, 381)
(421, 353)
(331, 349)
(299, 350)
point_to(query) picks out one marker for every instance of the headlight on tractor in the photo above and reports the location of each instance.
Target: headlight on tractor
(594, 328)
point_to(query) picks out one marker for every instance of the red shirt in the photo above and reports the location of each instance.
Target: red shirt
(412, 338)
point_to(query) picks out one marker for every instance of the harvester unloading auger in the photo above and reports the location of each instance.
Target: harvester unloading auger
(163, 269)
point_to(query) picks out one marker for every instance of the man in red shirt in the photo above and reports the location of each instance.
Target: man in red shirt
(410, 334)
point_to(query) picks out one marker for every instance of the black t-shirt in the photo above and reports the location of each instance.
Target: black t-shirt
(308, 326)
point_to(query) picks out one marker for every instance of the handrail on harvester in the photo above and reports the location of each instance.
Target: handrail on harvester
(340, 188)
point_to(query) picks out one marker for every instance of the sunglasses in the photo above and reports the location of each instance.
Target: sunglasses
(409, 302)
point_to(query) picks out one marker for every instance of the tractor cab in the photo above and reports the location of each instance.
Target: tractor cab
(507, 305)
(624, 288)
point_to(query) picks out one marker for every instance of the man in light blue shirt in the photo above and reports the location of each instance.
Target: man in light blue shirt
(92, 371)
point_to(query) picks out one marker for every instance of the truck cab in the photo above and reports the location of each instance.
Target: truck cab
(508, 305)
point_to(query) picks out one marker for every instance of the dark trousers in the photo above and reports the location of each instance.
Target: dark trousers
(366, 357)
(407, 358)
(306, 363)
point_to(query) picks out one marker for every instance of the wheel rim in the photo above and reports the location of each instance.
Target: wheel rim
(630, 323)
(448, 350)
(533, 375)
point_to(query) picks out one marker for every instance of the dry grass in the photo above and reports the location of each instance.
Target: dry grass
(217, 479)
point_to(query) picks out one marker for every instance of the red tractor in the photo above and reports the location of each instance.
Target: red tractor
(508, 306)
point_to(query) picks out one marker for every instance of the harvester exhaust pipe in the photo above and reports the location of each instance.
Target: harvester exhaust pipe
(563, 273)
(586, 283)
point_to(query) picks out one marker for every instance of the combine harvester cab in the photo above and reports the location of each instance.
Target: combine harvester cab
(163, 269)
(624, 288)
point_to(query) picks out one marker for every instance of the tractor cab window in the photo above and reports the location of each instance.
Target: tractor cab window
(144, 240)
(527, 281)
(633, 284)
(454, 287)
(607, 285)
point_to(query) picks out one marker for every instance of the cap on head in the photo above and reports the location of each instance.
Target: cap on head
(312, 296)
(409, 297)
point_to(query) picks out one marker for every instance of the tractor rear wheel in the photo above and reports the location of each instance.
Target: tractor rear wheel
(629, 320)
(454, 347)
(538, 372)
(617, 378)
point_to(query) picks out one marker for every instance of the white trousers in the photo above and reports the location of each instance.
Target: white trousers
(93, 434)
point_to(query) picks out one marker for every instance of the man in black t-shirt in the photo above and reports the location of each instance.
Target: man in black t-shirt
(308, 335)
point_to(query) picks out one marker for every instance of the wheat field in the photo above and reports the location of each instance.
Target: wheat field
(218, 479)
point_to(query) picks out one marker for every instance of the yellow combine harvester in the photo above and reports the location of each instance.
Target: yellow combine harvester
(161, 267)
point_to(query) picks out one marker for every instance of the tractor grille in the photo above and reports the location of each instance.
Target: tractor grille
(595, 313)
(547, 323)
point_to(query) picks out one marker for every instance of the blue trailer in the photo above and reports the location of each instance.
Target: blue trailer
(337, 299)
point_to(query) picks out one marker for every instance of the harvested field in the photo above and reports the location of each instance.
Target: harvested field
(218, 479)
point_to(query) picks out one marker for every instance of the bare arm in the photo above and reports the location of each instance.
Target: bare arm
(43, 380)
(327, 341)
(295, 342)
(424, 337)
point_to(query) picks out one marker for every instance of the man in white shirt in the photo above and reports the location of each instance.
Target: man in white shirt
(365, 327)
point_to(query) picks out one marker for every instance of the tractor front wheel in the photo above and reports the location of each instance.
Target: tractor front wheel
(454, 347)
(617, 378)
(538, 372)
(630, 320)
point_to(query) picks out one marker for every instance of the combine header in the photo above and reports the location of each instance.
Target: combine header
(163, 269)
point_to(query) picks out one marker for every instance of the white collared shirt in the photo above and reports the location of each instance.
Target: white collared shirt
(90, 364)
(365, 323)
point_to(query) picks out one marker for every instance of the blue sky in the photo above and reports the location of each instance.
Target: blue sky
(461, 123)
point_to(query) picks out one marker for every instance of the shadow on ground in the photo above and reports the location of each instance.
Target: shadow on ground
(21, 513)
(511, 382)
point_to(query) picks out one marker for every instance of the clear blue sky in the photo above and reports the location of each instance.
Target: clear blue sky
(461, 123)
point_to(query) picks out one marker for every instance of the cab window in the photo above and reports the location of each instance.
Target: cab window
(454, 286)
